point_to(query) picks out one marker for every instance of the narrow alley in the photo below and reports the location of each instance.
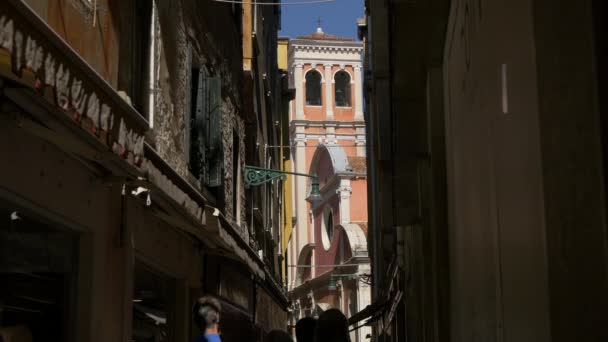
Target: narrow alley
(303, 170)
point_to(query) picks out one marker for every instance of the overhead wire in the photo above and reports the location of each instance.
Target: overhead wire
(315, 146)
(309, 2)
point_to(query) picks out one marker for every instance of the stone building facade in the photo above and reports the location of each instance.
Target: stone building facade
(126, 129)
(487, 166)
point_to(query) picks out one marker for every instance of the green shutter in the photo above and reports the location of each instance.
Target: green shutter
(198, 124)
(191, 105)
(213, 137)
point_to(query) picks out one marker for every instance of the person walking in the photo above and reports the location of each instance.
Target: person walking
(332, 326)
(206, 315)
(305, 329)
(278, 336)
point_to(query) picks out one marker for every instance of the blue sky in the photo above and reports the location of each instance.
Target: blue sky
(338, 17)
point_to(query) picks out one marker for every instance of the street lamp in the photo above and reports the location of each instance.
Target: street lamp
(315, 194)
(332, 282)
(255, 176)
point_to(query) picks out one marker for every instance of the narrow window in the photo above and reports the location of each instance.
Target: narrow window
(141, 52)
(152, 67)
(236, 172)
(313, 88)
(330, 226)
(204, 144)
(342, 94)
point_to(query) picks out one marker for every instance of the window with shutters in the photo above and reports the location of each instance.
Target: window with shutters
(342, 89)
(313, 88)
(236, 179)
(204, 140)
(142, 52)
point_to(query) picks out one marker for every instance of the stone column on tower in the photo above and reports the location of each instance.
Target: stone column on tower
(358, 93)
(299, 91)
(344, 191)
(329, 103)
(360, 141)
(301, 190)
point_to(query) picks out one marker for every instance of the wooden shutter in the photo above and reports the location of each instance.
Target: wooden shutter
(205, 147)
(190, 105)
(214, 151)
(197, 126)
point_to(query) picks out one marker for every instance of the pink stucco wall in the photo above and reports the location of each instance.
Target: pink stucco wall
(358, 213)
(323, 256)
(358, 200)
(324, 169)
(319, 112)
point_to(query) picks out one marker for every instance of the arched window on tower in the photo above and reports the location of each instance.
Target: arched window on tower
(313, 88)
(342, 86)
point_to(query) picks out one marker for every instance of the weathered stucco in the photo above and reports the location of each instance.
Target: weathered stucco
(139, 232)
(230, 123)
(171, 104)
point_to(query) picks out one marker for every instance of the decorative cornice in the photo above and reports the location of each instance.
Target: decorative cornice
(298, 44)
(343, 63)
(327, 123)
(308, 48)
(333, 60)
(327, 137)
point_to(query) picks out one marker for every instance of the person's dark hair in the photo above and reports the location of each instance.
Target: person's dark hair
(206, 312)
(332, 326)
(305, 329)
(278, 336)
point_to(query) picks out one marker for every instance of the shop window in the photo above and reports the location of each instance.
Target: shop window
(33, 306)
(151, 305)
(313, 88)
(342, 89)
(38, 281)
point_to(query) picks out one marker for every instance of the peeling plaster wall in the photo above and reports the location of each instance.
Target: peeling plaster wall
(232, 122)
(170, 104)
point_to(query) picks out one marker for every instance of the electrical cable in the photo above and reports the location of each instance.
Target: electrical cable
(292, 146)
(309, 2)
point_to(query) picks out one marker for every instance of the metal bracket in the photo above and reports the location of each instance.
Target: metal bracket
(258, 176)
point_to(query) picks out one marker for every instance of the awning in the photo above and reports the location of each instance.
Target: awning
(320, 308)
(369, 322)
(323, 306)
(370, 313)
(158, 317)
